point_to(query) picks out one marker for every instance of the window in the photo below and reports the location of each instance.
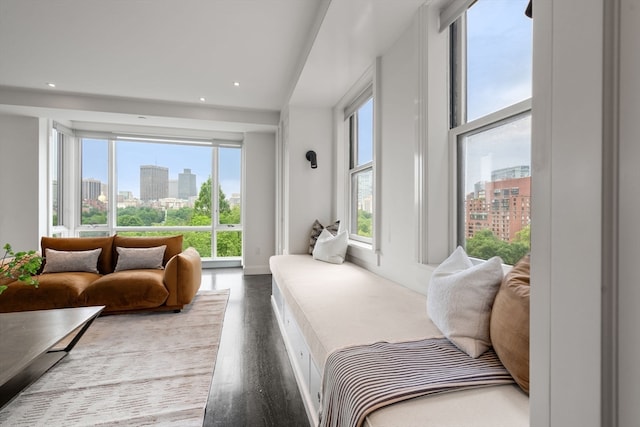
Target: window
(56, 179)
(491, 126)
(152, 186)
(360, 125)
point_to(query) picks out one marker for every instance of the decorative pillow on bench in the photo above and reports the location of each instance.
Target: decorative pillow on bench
(330, 248)
(460, 298)
(510, 322)
(316, 230)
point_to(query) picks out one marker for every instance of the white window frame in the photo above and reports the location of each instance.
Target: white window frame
(456, 135)
(73, 176)
(363, 253)
(458, 120)
(351, 123)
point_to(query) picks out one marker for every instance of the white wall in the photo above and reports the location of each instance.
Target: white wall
(629, 210)
(308, 191)
(407, 221)
(566, 260)
(22, 171)
(259, 202)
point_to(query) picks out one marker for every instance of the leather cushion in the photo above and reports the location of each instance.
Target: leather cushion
(105, 260)
(55, 290)
(509, 325)
(128, 290)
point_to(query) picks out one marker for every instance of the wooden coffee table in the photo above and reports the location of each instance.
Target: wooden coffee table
(26, 344)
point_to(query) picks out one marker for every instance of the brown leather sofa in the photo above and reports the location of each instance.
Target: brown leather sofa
(168, 288)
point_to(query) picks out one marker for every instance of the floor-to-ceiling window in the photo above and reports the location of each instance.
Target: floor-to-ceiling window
(160, 186)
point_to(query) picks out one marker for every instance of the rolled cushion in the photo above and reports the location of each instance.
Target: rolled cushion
(139, 258)
(173, 243)
(460, 297)
(63, 261)
(128, 290)
(83, 244)
(509, 324)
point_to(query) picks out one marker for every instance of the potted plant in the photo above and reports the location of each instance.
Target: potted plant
(22, 266)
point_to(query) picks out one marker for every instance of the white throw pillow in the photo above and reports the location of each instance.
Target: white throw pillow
(460, 297)
(330, 248)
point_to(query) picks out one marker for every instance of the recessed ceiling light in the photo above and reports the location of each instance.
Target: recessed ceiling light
(236, 84)
(202, 99)
(51, 84)
(142, 117)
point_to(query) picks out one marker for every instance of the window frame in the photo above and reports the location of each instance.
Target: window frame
(72, 193)
(460, 128)
(456, 135)
(355, 169)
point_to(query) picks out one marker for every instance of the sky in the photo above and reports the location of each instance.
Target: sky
(499, 55)
(131, 155)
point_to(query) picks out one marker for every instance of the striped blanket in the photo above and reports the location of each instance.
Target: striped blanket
(358, 380)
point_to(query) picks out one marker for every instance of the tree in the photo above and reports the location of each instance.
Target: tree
(202, 205)
(364, 223)
(129, 221)
(484, 245)
(229, 243)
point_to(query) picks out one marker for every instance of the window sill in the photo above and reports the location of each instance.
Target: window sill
(361, 254)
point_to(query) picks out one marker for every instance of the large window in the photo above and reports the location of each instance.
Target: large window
(491, 128)
(360, 125)
(56, 180)
(150, 186)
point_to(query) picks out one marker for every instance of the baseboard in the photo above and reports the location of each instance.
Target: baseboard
(256, 269)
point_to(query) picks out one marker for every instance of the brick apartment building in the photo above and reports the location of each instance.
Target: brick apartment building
(502, 205)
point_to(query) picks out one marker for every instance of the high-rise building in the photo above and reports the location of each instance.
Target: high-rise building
(186, 184)
(511, 172)
(91, 189)
(173, 188)
(502, 205)
(154, 182)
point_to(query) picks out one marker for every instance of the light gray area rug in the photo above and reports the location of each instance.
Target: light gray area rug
(134, 370)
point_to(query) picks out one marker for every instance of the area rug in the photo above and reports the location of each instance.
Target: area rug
(133, 369)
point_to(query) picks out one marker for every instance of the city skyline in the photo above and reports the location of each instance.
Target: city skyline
(130, 155)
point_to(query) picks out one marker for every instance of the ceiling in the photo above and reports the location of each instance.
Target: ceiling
(171, 53)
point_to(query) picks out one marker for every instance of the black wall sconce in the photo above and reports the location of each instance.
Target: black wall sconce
(311, 156)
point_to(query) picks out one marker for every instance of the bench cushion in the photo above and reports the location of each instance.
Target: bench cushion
(340, 305)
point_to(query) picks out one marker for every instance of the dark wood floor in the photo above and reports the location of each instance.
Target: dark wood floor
(253, 383)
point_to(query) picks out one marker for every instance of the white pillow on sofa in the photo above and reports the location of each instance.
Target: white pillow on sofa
(460, 298)
(330, 248)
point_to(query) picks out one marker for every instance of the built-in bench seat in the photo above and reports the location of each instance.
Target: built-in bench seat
(324, 307)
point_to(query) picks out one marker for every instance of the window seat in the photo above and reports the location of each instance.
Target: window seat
(324, 307)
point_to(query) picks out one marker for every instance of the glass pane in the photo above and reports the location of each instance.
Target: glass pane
(229, 244)
(56, 178)
(499, 56)
(365, 133)
(103, 233)
(362, 218)
(95, 172)
(163, 184)
(496, 175)
(229, 175)
(200, 240)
